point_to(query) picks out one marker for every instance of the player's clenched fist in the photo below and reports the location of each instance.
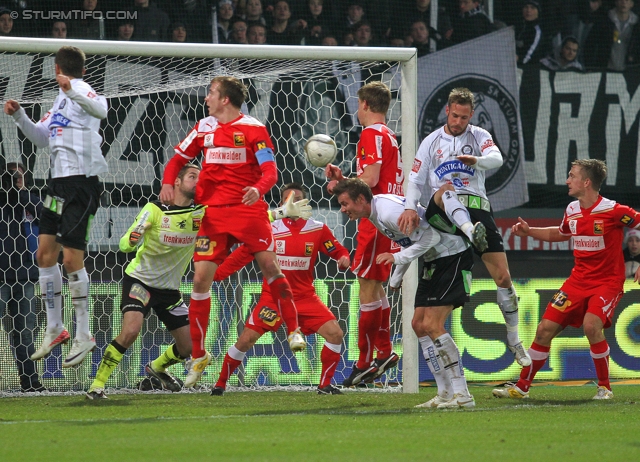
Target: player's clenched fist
(166, 194)
(344, 262)
(11, 107)
(385, 259)
(64, 82)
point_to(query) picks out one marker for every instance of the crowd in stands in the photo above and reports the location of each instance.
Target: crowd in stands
(559, 35)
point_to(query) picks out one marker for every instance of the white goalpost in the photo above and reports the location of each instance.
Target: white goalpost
(155, 93)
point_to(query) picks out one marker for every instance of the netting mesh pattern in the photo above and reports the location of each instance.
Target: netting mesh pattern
(153, 104)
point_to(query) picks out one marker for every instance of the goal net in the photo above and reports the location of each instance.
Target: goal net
(155, 93)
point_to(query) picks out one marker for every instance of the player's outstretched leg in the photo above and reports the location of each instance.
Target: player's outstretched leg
(232, 360)
(386, 358)
(445, 390)
(51, 289)
(459, 215)
(110, 360)
(329, 357)
(508, 303)
(539, 354)
(158, 368)
(84, 343)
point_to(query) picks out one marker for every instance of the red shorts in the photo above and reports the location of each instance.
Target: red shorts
(570, 304)
(370, 243)
(223, 227)
(312, 315)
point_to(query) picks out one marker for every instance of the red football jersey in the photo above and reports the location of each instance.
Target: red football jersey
(378, 145)
(297, 243)
(597, 234)
(230, 162)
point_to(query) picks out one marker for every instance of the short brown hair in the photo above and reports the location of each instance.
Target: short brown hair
(462, 96)
(71, 61)
(293, 185)
(231, 88)
(183, 171)
(594, 169)
(377, 95)
(353, 187)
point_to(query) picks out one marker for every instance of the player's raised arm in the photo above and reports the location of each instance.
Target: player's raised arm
(548, 234)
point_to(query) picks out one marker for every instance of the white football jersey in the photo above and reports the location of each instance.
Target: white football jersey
(74, 134)
(435, 163)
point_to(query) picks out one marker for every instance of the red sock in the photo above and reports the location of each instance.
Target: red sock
(229, 365)
(199, 311)
(539, 355)
(329, 360)
(283, 298)
(368, 327)
(383, 339)
(600, 356)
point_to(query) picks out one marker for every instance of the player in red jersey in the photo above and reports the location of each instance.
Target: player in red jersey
(237, 170)
(378, 163)
(590, 295)
(298, 243)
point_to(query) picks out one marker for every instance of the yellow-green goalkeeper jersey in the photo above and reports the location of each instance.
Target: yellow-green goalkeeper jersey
(166, 243)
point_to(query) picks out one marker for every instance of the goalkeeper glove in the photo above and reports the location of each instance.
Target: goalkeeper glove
(290, 209)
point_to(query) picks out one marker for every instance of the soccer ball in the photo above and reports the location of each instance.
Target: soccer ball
(320, 150)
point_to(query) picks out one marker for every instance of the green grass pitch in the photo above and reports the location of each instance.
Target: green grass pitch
(556, 424)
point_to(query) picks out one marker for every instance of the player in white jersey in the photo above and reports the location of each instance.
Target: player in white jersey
(444, 285)
(71, 131)
(449, 171)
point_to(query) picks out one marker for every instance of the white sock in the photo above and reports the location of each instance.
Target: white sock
(457, 213)
(508, 303)
(79, 288)
(450, 357)
(435, 366)
(51, 289)
(236, 354)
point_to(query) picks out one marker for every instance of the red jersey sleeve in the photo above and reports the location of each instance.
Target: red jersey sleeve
(238, 259)
(627, 216)
(187, 150)
(330, 245)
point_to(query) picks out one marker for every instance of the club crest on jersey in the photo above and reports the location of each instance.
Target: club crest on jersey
(182, 224)
(573, 226)
(261, 145)
(208, 140)
(466, 150)
(627, 220)
(195, 224)
(598, 227)
(416, 165)
(138, 292)
(166, 223)
(268, 315)
(280, 247)
(238, 139)
(560, 301)
(329, 246)
(63, 103)
(308, 249)
(203, 246)
(363, 155)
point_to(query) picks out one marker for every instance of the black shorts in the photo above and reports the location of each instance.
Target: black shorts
(168, 304)
(69, 208)
(438, 219)
(445, 281)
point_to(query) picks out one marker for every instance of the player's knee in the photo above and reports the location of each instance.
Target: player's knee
(335, 336)
(593, 331)
(503, 279)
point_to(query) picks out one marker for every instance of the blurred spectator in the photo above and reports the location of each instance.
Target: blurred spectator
(18, 232)
(633, 55)
(363, 34)
(420, 10)
(125, 30)
(316, 24)
(152, 24)
(178, 32)
(419, 37)
(239, 32)
(283, 31)
(632, 253)
(225, 19)
(59, 30)
(329, 41)
(254, 12)
(6, 23)
(355, 13)
(609, 39)
(590, 13)
(347, 38)
(531, 44)
(565, 57)
(257, 34)
(196, 15)
(470, 22)
(88, 28)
